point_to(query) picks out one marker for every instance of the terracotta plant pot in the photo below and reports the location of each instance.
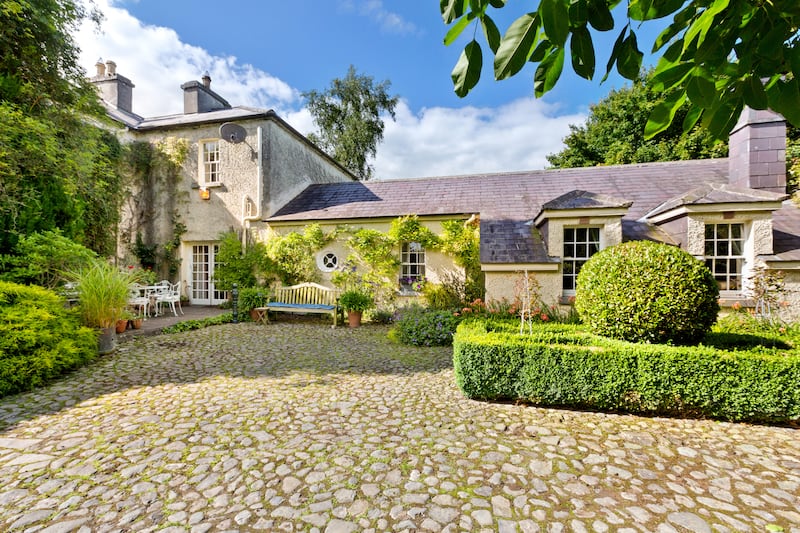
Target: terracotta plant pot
(354, 319)
(122, 325)
(136, 323)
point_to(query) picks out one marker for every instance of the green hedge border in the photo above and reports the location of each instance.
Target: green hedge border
(563, 365)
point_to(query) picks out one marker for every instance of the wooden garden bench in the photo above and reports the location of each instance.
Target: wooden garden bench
(302, 298)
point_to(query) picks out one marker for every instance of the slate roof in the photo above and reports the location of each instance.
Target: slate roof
(584, 200)
(135, 122)
(717, 193)
(508, 202)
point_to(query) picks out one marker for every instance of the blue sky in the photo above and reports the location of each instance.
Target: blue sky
(266, 53)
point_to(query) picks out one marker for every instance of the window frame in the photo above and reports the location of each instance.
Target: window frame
(412, 263)
(713, 260)
(210, 169)
(575, 260)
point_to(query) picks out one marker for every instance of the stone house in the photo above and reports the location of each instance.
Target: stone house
(733, 212)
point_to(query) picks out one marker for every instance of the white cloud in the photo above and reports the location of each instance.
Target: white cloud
(389, 21)
(432, 142)
(157, 62)
(446, 141)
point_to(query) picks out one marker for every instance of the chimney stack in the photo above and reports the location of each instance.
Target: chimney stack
(199, 98)
(114, 89)
(757, 151)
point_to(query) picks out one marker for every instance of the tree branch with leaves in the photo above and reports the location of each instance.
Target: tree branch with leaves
(715, 55)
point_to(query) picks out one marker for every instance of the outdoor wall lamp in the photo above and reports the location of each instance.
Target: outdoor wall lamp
(205, 194)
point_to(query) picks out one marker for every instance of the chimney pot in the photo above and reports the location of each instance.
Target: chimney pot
(112, 68)
(101, 67)
(206, 80)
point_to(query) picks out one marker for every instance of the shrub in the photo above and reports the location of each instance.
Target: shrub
(566, 365)
(189, 325)
(39, 338)
(381, 316)
(43, 258)
(424, 327)
(647, 292)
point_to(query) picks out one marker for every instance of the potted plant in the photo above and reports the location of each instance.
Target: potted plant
(102, 299)
(252, 297)
(355, 302)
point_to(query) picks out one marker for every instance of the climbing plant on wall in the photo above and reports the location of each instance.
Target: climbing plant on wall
(374, 257)
(293, 253)
(153, 177)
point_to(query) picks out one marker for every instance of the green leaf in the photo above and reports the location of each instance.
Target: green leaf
(497, 3)
(721, 120)
(491, 32)
(699, 28)
(783, 97)
(578, 13)
(662, 114)
(600, 16)
(548, 72)
(629, 61)
(615, 52)
(667, 78)
(701, 91)
(652, 9)
(582, 52)
(541, 51)
(691, 118)
(456, 29)
(452, 9)
(555, 20)
(754, 94)
(467, 71)
(516, 46)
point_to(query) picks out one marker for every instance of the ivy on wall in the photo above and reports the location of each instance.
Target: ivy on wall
(373, 260)
(153, 173)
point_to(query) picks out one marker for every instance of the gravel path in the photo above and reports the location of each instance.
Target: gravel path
(298, 427)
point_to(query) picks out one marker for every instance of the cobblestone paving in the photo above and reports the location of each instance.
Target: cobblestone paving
(297, 427)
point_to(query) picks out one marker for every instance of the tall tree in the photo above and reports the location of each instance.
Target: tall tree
(56, 170)
(613, 131)
(349, 115)
(717, 55)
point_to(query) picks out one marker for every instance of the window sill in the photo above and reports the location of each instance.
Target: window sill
(215, 185)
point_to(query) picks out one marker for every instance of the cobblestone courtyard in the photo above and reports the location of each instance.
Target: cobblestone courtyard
(298, 427)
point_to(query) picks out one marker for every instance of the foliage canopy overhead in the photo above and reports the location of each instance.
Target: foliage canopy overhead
(715, 55)
(612, 134)
(348, 115)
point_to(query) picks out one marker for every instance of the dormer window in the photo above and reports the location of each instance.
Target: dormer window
(579, 245)
(209, 162)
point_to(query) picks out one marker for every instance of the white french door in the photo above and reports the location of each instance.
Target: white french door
(204, 261)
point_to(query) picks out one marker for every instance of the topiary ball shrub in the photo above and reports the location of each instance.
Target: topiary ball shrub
(643, 291)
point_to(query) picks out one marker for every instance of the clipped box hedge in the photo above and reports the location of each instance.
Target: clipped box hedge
(39, 338)
(562, 365)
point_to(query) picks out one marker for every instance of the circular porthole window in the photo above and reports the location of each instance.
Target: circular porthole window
(327, 261)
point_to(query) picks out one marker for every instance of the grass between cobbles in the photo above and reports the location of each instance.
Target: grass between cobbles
(564, 365)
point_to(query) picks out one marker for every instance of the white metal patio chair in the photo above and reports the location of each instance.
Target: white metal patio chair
(171, 296)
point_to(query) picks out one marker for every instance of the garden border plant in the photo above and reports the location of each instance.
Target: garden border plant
(40, 339)
(565, 365)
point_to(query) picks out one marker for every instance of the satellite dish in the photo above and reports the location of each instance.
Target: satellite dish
(232, 133)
